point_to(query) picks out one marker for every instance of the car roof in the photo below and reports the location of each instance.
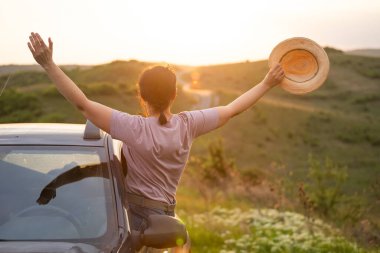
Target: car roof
(51, 134)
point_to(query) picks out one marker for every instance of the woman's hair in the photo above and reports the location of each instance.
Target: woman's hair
(157, 86)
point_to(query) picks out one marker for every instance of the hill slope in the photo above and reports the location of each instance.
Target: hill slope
(365, 52)
(341, 120)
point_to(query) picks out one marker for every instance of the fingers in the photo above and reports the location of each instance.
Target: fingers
(275, 75)
(42, 53)
(31, 48)
(42, 201)
(36, 39)
(40, 40)
(277, 67)
(50, 44)
(37, 42)
(34, 45)
(32, 42)
(278, 71)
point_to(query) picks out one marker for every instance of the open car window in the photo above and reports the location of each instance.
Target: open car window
(55, 193)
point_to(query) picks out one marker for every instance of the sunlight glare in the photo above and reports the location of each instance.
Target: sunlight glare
(182, 31)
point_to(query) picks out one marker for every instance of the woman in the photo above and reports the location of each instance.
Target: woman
(156, 147)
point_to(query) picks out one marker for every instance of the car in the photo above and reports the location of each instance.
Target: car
(62, 190)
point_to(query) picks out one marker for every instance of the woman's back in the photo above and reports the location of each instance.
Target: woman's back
(157, 154)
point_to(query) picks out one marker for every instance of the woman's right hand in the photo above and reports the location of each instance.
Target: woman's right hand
(41, 53)
(274, 76)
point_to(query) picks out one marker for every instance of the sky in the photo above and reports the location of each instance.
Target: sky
(197, 32)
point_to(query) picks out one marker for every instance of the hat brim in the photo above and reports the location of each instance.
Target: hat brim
(321, 61)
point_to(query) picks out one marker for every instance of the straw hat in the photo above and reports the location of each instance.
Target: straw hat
(305, 63)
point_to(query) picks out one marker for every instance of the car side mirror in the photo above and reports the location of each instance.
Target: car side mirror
(162, 232)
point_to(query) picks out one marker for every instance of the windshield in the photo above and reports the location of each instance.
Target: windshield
(50, 193)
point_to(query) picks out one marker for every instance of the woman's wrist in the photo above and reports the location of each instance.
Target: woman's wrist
(268, 85)
(48, 66)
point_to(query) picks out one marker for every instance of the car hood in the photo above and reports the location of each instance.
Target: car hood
(45, 247)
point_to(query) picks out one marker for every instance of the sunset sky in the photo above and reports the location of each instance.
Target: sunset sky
(183, 32)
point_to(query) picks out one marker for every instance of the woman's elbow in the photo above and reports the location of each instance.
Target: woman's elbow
(225, 114)
(83, 106)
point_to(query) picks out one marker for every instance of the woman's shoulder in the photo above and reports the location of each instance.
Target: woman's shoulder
(201, 113)
(122, 119)
(121, 114)
(184, 116)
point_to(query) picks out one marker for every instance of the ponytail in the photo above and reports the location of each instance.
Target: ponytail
(162, 119)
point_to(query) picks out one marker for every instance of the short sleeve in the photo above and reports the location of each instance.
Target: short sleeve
(203, 121)
(124, 126)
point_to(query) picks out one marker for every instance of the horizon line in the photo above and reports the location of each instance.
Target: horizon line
(176, 64)
(133, 59)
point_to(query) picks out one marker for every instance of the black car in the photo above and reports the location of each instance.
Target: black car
(62, 190)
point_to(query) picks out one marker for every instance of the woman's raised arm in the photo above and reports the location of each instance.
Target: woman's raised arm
(97, 113)
(249, 98)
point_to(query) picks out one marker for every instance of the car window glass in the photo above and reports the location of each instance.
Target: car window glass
(52, 193)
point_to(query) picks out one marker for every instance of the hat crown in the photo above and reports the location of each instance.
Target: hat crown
(299, 65)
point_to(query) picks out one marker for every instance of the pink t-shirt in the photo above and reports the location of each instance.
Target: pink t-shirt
(157, 154)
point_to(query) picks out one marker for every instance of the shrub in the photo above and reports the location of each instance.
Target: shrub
(101, 88)
(18, 107)
(323, 196)
(26, 78)
(215, 172)
(51, 91)
(325, 185)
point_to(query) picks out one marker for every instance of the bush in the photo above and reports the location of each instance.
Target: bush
(323, 196)
(215, 172)
(325, 185)
(51, 91)
(102, 88)
(26, 78)
(18, 107)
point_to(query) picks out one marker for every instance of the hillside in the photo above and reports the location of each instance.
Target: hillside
(365, 52)
(12, 68)
(30, 97)
(340, 120)
(274, 140)
(270, 143)
(7, 69)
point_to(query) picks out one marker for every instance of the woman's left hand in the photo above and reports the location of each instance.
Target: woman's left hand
(42, 54)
